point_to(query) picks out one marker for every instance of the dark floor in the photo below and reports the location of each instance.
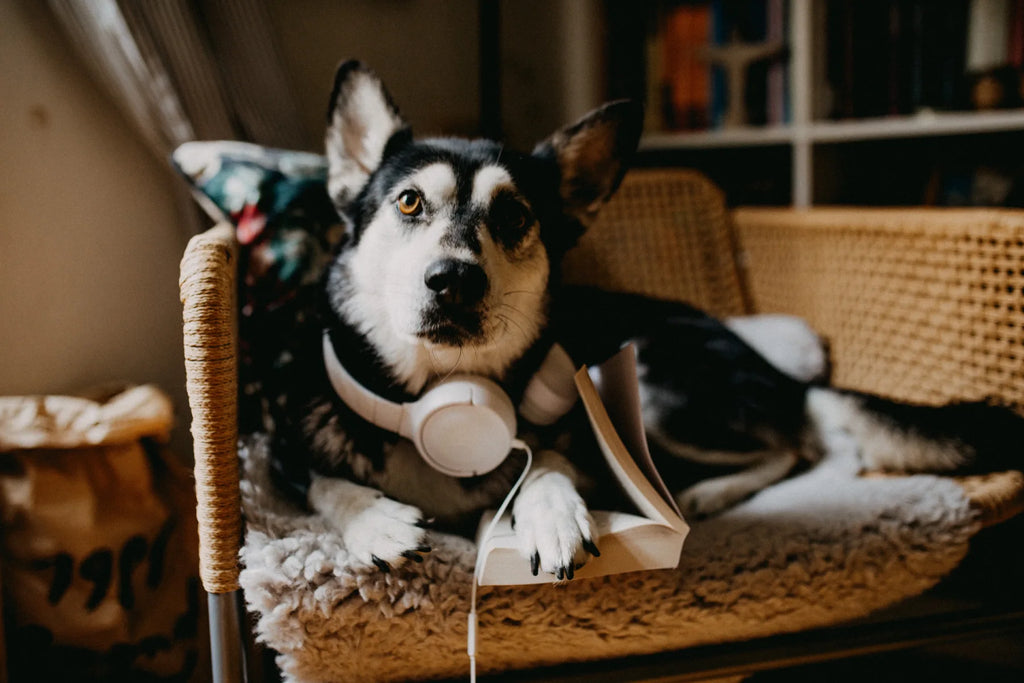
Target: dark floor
(996, 660)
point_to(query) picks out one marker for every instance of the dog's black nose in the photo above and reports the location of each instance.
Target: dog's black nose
(455, 282)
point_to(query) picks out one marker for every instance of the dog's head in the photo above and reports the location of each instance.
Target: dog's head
(453, 244)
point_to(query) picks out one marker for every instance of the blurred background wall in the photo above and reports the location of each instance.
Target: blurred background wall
(90, 230)
(93, 223)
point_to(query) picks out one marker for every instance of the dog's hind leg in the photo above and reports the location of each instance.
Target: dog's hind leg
(718, 493)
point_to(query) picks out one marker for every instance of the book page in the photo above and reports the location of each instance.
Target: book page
(617, 384)
(649, 501)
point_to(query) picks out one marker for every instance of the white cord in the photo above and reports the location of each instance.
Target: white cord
(472, 623)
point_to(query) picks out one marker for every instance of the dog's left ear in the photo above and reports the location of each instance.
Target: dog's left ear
(362, 120)
(593, 155)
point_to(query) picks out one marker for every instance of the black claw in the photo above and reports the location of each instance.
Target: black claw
(513, 522)
(569, 572)
(535, 563)
(381, 564)
(423, 548)
(589, 546)
(412, 555)
(560, 574)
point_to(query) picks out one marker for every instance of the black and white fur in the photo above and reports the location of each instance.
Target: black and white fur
(451, 263)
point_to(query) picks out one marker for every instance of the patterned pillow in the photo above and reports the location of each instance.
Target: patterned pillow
(287, 229)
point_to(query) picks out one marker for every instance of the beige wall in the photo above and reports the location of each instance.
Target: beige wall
(552, 54)
(89, 232)
(425, 51)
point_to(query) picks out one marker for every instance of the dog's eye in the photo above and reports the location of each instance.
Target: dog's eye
(410, 203)
(511, 215)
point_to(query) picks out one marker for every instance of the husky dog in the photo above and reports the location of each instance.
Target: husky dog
(451, 264)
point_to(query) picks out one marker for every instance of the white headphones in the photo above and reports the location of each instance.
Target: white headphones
(464, 425)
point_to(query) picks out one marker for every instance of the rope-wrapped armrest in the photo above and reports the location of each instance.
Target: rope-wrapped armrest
(207, 286)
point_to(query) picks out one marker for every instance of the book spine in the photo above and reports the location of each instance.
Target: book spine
(897, 59)
(952, 86)
(686, 72)
(839, 31)
(654, 111)
(916, 39)
(777, 71)
(987, 34)
(674, 86)
(719, 35)
(756, 94)
(700, 72)
(1016, 48)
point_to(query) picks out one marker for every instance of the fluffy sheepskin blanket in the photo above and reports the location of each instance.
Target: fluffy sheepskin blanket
(819, 548)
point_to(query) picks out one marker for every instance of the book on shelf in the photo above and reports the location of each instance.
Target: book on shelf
(869, 59)
(901, 57)
(687, 89)
(777, 79)
(684, 73)
(1015, 49)
(651, 537)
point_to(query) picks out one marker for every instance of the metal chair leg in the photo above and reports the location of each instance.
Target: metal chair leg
(226, 649)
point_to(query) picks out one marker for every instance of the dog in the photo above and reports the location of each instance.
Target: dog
(451, 263)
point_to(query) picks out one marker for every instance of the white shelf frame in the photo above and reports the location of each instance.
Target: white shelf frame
(920, 125)
(805, 133)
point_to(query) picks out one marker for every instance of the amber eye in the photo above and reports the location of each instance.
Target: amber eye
(410, 203)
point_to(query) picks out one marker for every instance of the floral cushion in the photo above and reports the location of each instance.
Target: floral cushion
(287, 229)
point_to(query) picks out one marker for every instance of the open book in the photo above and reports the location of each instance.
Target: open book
(652, 539)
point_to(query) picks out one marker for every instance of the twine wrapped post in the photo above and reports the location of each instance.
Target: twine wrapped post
(207, 286)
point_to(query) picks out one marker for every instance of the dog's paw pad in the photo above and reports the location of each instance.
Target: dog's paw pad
(553, 527)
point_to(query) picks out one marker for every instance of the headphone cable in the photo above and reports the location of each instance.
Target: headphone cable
(472, 621)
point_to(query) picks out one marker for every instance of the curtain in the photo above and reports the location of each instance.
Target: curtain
(188, 69)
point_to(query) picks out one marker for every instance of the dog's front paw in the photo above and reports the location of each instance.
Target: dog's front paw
(376, 530)
(553, 526)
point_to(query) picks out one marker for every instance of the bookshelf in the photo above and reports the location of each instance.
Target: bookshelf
(809, 144)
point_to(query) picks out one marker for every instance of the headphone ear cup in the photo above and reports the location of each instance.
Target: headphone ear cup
(464, 426)
(551, 392)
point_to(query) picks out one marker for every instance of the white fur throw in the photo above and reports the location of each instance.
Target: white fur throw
(822, 547)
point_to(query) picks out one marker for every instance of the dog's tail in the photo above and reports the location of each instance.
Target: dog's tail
(958, 438)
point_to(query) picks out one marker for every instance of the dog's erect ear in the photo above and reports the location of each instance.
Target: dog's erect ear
(361, 119)
(593, 155)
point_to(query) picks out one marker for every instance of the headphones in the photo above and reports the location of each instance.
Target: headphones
(464, 425)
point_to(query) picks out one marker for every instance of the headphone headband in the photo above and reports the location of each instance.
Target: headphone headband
(464, 425)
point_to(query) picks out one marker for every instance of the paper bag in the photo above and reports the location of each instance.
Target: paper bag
(99, 561)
